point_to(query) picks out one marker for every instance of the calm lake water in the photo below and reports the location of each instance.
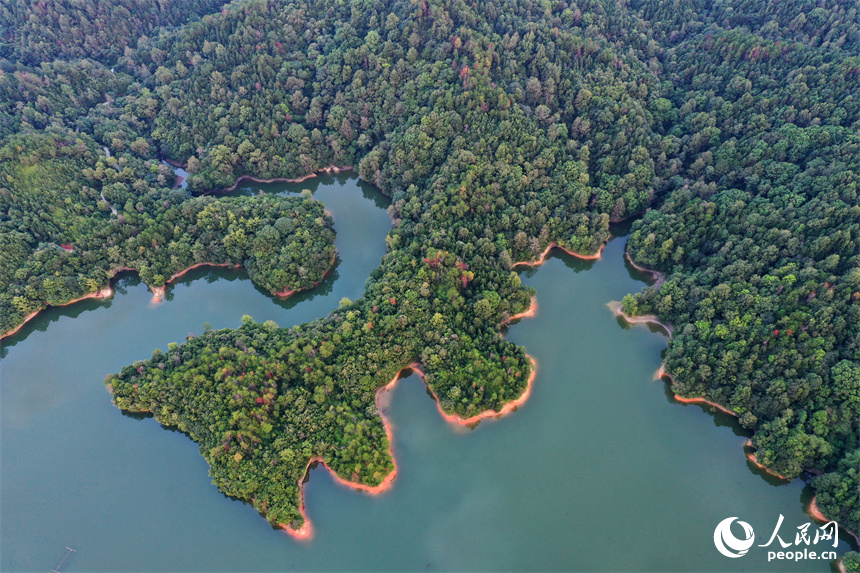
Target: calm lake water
(599, 470)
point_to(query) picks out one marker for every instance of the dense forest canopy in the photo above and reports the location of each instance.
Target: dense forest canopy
(497, 128)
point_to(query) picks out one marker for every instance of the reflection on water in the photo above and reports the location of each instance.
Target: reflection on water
(599, 470)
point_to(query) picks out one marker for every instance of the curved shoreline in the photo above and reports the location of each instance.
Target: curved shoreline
(158, 293)
(553, 245)
(286, 293)
(815, 513)
(306, 530)
(329, 169)
(659, 277)
(615, 307)
(105, 292)
(661, 373)
(754, 461)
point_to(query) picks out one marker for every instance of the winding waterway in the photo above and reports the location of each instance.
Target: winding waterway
(599, 470)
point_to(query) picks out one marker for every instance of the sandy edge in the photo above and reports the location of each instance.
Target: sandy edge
(615, 307)
(553, 245)
(288, 292)
(329, 169)
(159, 292)
(306, 530)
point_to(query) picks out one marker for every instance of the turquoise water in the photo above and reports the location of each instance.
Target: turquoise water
(599, 470)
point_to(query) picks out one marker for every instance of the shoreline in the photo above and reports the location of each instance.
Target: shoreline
(159, 292)
(306, 530)
(102, 293)
(615, 307)
(528, 313)
(815, 513)
(753, 460)
(553, 245)
(659, 277)
(661, 373)
(328, 170)
(286, 293)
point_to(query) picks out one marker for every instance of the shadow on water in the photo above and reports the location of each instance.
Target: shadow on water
(212, 275)
(39, 323)
(137, 415)
(721, 419)
(326, 188)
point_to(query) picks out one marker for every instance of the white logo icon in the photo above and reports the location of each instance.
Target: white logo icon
(727, 543)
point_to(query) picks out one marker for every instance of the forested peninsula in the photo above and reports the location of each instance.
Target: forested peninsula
(498, 129)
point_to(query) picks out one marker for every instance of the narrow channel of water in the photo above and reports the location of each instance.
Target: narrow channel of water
(599, 470)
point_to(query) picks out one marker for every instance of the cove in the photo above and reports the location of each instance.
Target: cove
(599, 470)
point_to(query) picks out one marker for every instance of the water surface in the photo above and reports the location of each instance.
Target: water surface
(599, 470)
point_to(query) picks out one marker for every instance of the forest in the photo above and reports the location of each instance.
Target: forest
(496, 128)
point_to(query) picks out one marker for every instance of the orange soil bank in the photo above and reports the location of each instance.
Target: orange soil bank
(719, 407)
(329, 169)
(751, 457)
(815, 513)
(530, 312)
(158, 292)
(615, 307)
(662, 373)
(287, 292)
(306, 530)
(540, 260)
(105, 292)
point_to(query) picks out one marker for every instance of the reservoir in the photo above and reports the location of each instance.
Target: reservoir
(599, 470)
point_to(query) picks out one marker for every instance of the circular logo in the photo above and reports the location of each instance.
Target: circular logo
(727, 543)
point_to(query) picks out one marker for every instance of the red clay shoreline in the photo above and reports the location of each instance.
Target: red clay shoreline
(329, 169)
(105, 292)
(553, 245)
(615, 306)
(306, 530)
(815, 513)
(158, 293)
